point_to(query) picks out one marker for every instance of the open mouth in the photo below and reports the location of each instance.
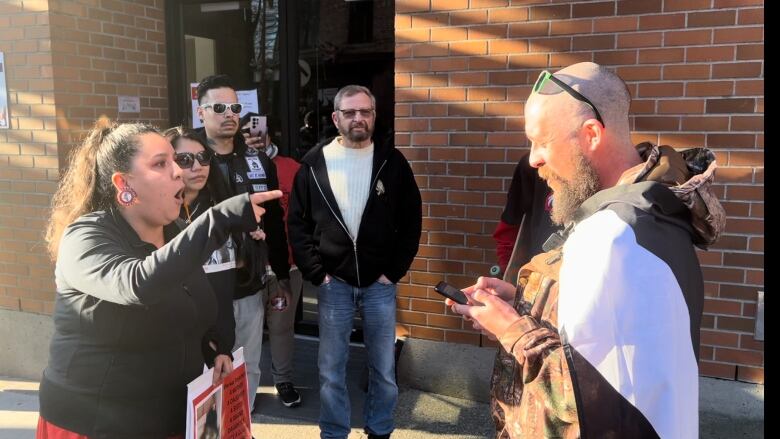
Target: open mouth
(180, 195)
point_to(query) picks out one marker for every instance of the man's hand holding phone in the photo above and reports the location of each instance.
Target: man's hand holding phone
(488, 306)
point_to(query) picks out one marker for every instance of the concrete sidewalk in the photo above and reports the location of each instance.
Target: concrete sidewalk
(728, 409)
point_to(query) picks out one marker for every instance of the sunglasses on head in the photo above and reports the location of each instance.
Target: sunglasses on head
(545, 85)
(220, 108)
(185, 160)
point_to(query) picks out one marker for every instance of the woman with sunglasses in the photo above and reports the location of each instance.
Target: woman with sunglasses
(133, 313)
(194, 159)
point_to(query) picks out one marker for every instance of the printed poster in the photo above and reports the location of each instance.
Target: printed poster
(219, 411)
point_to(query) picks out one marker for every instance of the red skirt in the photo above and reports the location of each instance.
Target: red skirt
(47, 430)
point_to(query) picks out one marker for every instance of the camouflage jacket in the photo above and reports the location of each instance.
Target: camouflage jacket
(541, 385)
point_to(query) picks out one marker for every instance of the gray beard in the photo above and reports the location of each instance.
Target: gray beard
(357, 137)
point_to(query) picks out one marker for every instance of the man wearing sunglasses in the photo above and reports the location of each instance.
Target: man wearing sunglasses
(600, 338)
(243, 168)
(355, 219)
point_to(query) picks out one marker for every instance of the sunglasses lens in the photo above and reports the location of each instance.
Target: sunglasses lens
(543, 77)
(236, 108)
(184, 160)
(204, 158)
(219, 108)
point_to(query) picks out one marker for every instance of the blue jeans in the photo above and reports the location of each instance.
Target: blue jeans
(337, 303)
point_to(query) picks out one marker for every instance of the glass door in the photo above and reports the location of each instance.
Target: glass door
(296, 54)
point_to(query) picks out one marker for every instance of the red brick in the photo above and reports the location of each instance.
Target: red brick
(748, 193)
(737, 70)
(448, 64)
(687, 71)
(599, 9)
(528, 61)
(508, 46)
(661, 89)
(640, 39)
(448, 5)
(741, 292)
(567, 27)
(733, 308)
(750, 374)
(747, 123)
(688, 37)
(751, 16)
(464, 226)
(560, 44)
(656, 123)
(616, 24)
(750, 358)
(745, 159)
(731, 140)
(681, 107)
(448, 34)
(709, 54)
(712, 18)
(719, 338)
(750, 51)
(705, 123)
(747, 226)
(428, 20)
(749, 87)
(461, 18)
(750, 260)
(630, 7)
(738, 105)
(423, 50)
(754, 277)
(615, 57)
(405, 6)
(507, 15)
(736, 323)
(487, 32)
(593, 42)
(488, 3)
(656, 56)
(734, 175)
(717, 370)
(487, 62)
(739, 35)
(556, 12)
(736, 3)
(747, 341)
(709, 88)
(686, 5)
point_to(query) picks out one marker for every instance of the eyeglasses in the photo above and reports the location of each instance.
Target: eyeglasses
(185, 160)
(544, 80)
(220, 108)
(364, 112)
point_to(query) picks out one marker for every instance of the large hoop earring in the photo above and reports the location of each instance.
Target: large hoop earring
(127, 196)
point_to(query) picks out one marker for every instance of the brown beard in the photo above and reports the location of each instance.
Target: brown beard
(571, 194)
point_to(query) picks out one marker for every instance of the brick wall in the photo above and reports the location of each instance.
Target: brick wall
(66, 63)
(28, 156)
(695, 70)
(102, 50)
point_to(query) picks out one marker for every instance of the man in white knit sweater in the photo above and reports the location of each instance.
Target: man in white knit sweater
(354, 222)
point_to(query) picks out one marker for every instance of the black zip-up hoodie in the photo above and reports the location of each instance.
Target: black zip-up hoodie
(389, 232)
(230, 175)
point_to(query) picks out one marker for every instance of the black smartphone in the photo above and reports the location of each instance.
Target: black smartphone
(451, 292)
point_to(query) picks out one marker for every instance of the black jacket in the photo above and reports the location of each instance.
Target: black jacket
(232, 173)
(389, 232)
(129, 323)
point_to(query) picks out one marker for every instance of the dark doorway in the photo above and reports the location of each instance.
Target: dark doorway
(296, 54)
